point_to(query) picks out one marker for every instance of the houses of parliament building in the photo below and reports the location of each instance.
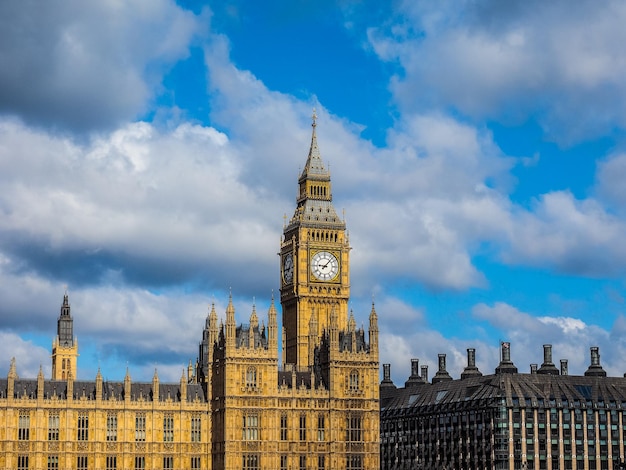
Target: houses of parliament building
(240, 407)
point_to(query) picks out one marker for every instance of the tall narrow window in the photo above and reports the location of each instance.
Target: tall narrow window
(82, 462)
(354, 380)
(283, 462)
(250, 462)
(283, 427)
(303, 427)
(168, 462)
(140, 428)
(321, 428)
(168, 428)
(303, 462)
(111, 462)
(196, 429)
(22, 462)
(251, 377)
(353, 428)
(53, 462)
(23, 430)
(195, 463)
(111, 427)
(321, 462)
(354, 462)
(140, 462)
(53, 426)
(250, 427)
(82, 429)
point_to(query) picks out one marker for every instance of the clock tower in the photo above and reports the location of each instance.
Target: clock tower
(315, 263)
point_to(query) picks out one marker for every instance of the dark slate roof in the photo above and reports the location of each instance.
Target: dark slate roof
(302, 378)
(524, 390)
(345, 340)
(110, 390)
(243, 337)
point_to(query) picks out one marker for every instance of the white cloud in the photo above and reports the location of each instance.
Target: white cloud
(570, 338)
(610, 177)
(28, 356)
(88, 64)
(575, 236)
(511, 61)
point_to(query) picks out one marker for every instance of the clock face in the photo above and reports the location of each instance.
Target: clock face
(324, 266)
(288, 268)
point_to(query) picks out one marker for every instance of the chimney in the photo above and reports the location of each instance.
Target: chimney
(506, 366)
(442, 374)
(425, 374)
(548, 366)
(595, 369)
(415, 378)
(471, 370)
(563, 366)
(533, 368)
(387, 382)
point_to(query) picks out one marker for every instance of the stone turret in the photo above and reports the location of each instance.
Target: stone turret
(373, 331)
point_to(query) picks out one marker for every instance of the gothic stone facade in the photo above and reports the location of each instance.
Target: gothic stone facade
(239, 407)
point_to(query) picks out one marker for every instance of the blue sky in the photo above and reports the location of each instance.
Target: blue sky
(150, 149)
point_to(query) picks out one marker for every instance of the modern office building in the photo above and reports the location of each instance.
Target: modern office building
(241, 406)
(545, 419)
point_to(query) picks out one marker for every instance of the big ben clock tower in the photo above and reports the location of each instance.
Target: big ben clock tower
(315, 262)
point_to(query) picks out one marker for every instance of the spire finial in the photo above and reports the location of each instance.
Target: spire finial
(314, 117)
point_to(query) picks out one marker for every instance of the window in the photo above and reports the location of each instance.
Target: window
(321, 462)
(354, 380)
(83, 427)
(111, 462)
(251, 427)
(283, 462)
(140, 428)
(168, 428)
(53, 462)
(81, 462)
(111, 427)
(303, 462)
(354, 462)
(303, 427)
(196, 429)
(195, 463)
(22, 462)
(251, 377)
(283, 427)
(353, 428)
(250, 462)
(168, 462)
(53, 426)
(23, 430)
(140, 462)
(320, 428)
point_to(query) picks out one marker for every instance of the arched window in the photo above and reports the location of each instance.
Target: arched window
(354, 380)
(251, 377)
(63, 364)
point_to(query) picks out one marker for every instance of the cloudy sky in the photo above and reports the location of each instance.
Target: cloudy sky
(150, 149)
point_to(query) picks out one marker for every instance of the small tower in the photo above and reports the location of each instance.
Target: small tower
(64, 345)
